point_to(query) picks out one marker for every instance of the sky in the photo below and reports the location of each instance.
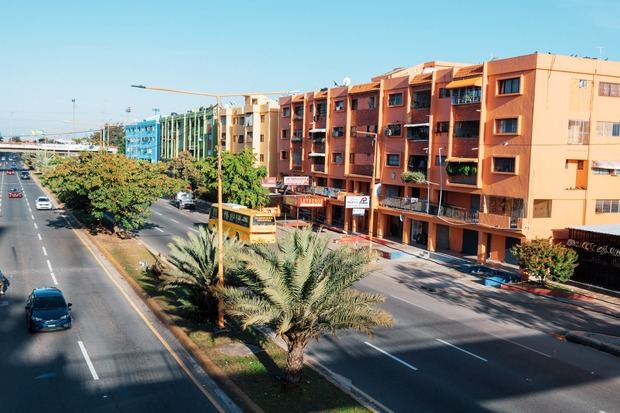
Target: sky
(52, 52)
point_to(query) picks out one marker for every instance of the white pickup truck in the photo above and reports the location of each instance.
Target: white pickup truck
(184, 200)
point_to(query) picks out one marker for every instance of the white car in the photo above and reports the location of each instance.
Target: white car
(43, 202)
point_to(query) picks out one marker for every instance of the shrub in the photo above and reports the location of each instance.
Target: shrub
(413, 176)
(544, 260)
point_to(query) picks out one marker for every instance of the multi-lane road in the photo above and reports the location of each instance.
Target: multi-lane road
(457, 346)
(116, 358)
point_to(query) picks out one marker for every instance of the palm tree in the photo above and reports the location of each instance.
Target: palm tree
(303, 290)
(194, 261)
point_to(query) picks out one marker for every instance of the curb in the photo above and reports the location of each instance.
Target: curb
(590, 340)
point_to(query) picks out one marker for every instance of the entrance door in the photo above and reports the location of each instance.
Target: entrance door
(470, 242)
(443, 237)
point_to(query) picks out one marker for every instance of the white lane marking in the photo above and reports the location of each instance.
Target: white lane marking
(54, 278)
(49, 265)
(39, 236)
(520, 345)
(410, 303)
(88, 362)
(158, 213)
(404, 363)
(32, 216)
(36, 226)
(462, 349)
(193, 229)
(29, 209)
(159, 229)
(174, 220)
(44, 251)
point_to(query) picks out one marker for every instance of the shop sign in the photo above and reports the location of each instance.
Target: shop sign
(290, 200)
(310, 202)
(297, 180)
(268, 182)
(359, 211)
(357, 202)
(592, 247)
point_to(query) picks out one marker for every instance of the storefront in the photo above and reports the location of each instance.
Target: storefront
(598, 247)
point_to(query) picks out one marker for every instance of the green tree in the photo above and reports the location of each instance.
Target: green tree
(195, 269)
(115, 136)
(303, 291)
(102, 183)
(413, 176)
(541, 259)
(184, 167)
(241, 178)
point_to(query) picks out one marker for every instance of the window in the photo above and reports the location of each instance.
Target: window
(394, 129)
(440, 162)
(338, 131)
(262, 138)
(286, 112)
(443, 127)
(299, 112)
(337, 157)
(583, 83)
(508, 126)
(353, 104)
(393, 159)
(262, 118)
(506, 165)
(241, 120)
(580, 165)
(297, 134)
(421, 99)
(608, 129)
(607, 206)
(466, 95)
(417, 163)
(261, 158)
(372, 102)
(467, 129)
(609, 89)
(417, 132)
(339, 105)
(395, 99)
(444, 93)
(255, 101)
(578, 132)
(284, 133)
(509, 86)
(542, 208)
(283, 155)
(241, 139)
(603, 171)
(320, 110)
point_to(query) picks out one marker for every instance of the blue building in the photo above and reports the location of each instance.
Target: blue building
(142, 139)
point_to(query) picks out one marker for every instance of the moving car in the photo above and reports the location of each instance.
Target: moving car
(24, 175)
(15, 193)
(10, 172)
(184, 200)
(47, 309)
(43, 202)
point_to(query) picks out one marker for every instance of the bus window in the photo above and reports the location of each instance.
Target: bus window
(213, 212)
(263, 220)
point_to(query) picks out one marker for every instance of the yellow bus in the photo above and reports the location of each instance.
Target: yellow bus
(245, 224)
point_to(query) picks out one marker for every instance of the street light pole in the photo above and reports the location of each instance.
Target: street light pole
(220, 221)
(440, 182)
(371, 219)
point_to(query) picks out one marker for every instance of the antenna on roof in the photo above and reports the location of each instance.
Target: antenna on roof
(346, 81)
(600, 51)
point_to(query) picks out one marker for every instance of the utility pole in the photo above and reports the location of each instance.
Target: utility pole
(73, 104)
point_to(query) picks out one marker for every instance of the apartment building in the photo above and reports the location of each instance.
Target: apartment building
(193, 131)
(142, 139)
(253, 126)
(501, 151)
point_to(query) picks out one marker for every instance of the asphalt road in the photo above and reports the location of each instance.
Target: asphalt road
(457, 346)
(111, 360)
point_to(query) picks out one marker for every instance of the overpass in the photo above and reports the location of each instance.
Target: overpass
(53, 147)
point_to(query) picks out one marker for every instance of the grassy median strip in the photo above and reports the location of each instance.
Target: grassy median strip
(252, 361)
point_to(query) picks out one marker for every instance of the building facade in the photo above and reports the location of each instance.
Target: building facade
(253, 126)
(142, 140)
(193, 131)
(502, 151)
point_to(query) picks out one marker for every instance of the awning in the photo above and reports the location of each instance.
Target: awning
(316, 154)
(416, 125)
(606, 164)
(472, 81)
(463, 160)
(318, 130)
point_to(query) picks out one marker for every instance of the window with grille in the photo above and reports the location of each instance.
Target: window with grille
(609, 89)
(578, 132)
(372, 102)
(467, 129)
(443, 127)
(421, 99)
(444, 93)
(286, 112)
(506, 165)
(608, 129)
(338, 131)
(395, 99)
(339, 105)
(393, 159)
(394, 129)
(509, 86)
(508, 126)
(607, 206)
(337, 157)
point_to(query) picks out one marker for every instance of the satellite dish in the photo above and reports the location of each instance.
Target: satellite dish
(346, 81)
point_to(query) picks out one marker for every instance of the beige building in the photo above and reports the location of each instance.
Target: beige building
(253, 126)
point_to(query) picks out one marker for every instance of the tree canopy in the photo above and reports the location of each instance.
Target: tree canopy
(100, 183)
(543, 260)
(115, 136)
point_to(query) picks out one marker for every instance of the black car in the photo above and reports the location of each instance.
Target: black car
(24, 175)
(46, 309)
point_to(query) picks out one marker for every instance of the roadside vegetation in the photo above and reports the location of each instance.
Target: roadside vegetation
(544, 261)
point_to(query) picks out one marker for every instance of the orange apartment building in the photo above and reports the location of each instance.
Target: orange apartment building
(509, 149)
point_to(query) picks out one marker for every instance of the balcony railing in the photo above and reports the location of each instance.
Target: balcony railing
(422, 206)
(500, 221)
(463, 179)
(296, 138)
(318, 168)
(465, 96)
(324, 191)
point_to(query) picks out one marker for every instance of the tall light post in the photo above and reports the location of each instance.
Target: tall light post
(220, 222)
(371, 219)
(441, 163)
(73, 122)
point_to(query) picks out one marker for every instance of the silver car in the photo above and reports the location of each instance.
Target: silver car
(43, 202)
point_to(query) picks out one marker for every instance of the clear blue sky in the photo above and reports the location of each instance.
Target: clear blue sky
(54, 51)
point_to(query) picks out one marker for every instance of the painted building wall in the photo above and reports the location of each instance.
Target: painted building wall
(142, 140)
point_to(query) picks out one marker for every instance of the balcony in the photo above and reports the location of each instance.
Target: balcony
(422, 206)
(296, 138)
(463, 179)
(500, 221)
(318, 168)
(365, 170)
(329, 192)
(466, 95)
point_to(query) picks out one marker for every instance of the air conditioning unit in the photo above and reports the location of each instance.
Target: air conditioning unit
(387, 131)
